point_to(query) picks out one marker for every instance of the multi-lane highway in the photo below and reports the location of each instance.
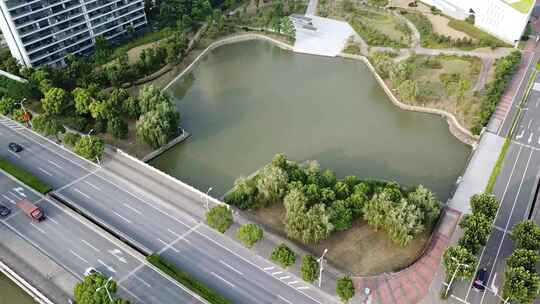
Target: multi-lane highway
(76, 245)
(235, 272)
(515, 188)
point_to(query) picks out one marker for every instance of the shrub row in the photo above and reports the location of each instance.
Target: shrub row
(24, 176)
(185, 279)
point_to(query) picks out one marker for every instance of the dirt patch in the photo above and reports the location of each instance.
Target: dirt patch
(360, 250)
(135, 53)
(440, 26)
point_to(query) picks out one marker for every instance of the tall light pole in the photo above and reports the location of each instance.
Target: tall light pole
(106, 289)
(321, 264)
(207, 203)
(454, 275)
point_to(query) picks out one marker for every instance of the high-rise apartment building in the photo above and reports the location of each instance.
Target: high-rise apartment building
(43, 32)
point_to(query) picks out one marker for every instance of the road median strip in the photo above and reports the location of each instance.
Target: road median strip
(185, 279)
(24, 176)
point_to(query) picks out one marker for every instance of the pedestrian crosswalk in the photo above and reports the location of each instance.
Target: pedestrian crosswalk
(286, 278)
(10, 124)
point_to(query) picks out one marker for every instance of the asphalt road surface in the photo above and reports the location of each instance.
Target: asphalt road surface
(222, 264)
(515, 188)
(76, 246)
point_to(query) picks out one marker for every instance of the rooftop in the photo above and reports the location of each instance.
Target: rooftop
(521, 5)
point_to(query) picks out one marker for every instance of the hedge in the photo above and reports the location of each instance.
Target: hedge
(185, 279)
(24, 176)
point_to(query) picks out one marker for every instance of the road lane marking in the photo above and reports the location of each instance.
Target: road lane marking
(39, 229)
(78, 256)
(45, 171)
(132, 209)
(459, 299)
(268, 268)
(9, 199)
(277, 272)
(231, 268)
(81, 193)
(530, 122)
(176, 234)
(228, 283)
(520, 135)
(179, 238)
(293, 282)
(162, 242)
(509, 218)
(14, 195)
(92, 185)
(16, 155)
(53, 220)
(90, 245)
(283, 299)
(55, 164)
(284, 277)
(302, 287)
(174, 249)
(106, 266)
(143, 281)
(497, 213)
(530, 138)
(120, 216)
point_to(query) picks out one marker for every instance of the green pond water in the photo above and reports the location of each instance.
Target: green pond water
(10, 293)
(245, 102)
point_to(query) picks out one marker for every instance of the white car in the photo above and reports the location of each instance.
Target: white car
(90, 270)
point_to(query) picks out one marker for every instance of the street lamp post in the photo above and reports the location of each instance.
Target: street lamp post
(106, 289)
(454, 275)
(321, 264)
(207, 203)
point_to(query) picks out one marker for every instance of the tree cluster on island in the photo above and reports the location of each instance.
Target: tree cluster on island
(317, 203)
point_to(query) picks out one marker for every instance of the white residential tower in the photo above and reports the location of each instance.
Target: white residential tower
(45, 31)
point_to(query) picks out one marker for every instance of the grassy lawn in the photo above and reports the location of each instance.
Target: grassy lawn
(24, 176)
(474, 32)
(523, 5)
(360, 249)
(380, 29)
(439, 85)
(144, 39)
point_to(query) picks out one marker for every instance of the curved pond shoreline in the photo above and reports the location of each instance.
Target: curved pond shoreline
(455, 128)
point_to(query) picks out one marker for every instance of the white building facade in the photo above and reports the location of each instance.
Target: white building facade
(44, 32)
(497, 17)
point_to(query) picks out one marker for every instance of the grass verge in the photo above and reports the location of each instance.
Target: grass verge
(185, 279)
(24, 176)
(141, 40)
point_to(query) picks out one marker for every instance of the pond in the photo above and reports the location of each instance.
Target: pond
(11, 293)
(245, 102)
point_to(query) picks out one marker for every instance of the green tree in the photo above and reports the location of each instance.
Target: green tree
(376, 210)
(7, 105)
(520, 285)
(83, 98)
(48, 125)
(328, 178)
(271, 184)
(485, 203)
(219, 218)
(526, 235)
(86, 291)
(309, 269)
(456, 255)
(283, 255)
(55, 100)
(287, 27)
(424, 199)
(249, 234)
(523, 258)
(158, 126)
(150, 98)
(71, 138)
(341, 215)
(477, 228)
(342, 190)
(408, 90)
(243, 194)
(307, 225)
(117, 127)
(403, 222)
(131, 107)
(90, 147)
(345, 289)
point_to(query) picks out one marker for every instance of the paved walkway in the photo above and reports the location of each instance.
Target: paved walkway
(482, 77)
(321, 36)
(312, 7)
(411, 285)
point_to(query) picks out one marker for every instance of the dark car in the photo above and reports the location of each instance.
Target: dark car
(480, 280)
(15, 147)
(4, 211)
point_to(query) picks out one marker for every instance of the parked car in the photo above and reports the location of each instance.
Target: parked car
(480, 280)
(90, 270)
(15, 147)
(4, 211)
